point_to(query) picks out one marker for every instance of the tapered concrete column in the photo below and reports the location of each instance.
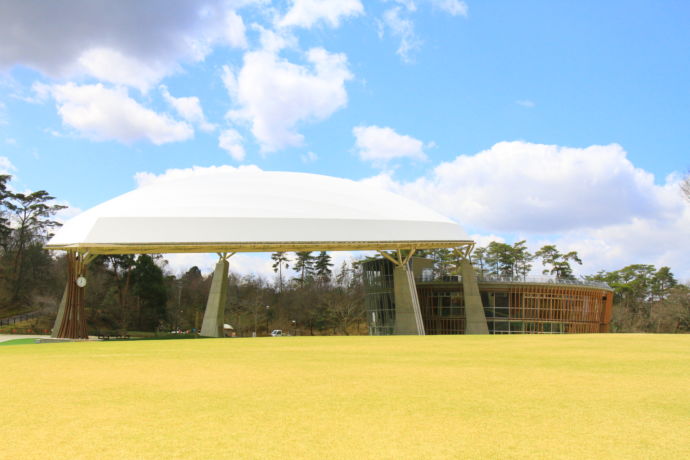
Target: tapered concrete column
(475, 320)
(60, 315)
(408, 318)
(214, 316)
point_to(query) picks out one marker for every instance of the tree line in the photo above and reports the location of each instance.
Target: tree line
(510, 261)
(306, 296)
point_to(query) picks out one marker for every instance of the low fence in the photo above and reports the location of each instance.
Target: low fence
(10, 320)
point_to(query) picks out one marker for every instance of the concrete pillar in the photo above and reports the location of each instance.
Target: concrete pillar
(475, 320)
(214, 316)
(60, 315)
(407, 321)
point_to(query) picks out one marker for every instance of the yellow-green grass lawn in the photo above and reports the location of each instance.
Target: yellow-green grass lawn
(569, 396)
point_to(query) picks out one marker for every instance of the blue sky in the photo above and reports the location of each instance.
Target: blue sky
(558, 122)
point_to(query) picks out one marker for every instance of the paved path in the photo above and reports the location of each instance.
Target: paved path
(6, 337)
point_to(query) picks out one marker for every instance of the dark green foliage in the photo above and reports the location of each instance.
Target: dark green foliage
(149, 289)
(647, 299)
(304, 266)
(322, 267)
(26, 222)
(559, 263)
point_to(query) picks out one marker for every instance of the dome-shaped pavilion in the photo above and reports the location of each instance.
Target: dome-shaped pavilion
(228, 210)
(221, 210)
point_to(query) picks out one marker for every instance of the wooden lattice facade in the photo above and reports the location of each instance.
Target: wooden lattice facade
(510, 307)
(518, 308)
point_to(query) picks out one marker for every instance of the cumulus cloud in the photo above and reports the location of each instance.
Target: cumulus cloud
(381, 145)
(661, 242)
(114, 67)
(274, 95)
(101, 113)
(231, 141)
(189, 108)
(520, 186)
(235, 30)
(306, 13)
(592, 200)
(104, 39)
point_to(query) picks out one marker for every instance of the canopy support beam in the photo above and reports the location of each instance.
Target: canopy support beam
(475, 319)
(408, 314)
(214, 315)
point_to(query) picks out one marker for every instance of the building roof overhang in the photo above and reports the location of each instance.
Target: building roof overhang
(247, 210)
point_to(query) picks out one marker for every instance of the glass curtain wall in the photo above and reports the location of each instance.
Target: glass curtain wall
(379, 300)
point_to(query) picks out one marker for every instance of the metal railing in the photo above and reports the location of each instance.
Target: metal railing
(486, 278)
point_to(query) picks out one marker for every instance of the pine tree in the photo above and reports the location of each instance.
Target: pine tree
(522, 259)
(32, 218)
(280, 260)
(151, 295)
(304, 265)
(323, 266)
(560, 263)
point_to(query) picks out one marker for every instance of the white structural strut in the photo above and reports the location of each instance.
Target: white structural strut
(214, 315)
(227, 210)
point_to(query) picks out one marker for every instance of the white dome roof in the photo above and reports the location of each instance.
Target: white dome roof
(223, 210)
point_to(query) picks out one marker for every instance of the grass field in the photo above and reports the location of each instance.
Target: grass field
(571, 396)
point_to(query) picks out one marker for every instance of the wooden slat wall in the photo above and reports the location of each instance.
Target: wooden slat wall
(581, 309)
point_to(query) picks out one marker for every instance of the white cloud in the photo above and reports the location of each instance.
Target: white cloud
(144, 178)
(189, 108)
(231, 141)
(6, 166)
(114, 67)
(100, 114)
(235, 30)
(69, 212)
(381, 145)
(452, 7)
(519, 186)
(256, 264)
(398, 21)
(409, 5)
(526, 103)
(306, 13)
(106, 39)
(659, 240)
(309, 157)
(275, 40)
(403, 28)
(274, 95)
(592, 200)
